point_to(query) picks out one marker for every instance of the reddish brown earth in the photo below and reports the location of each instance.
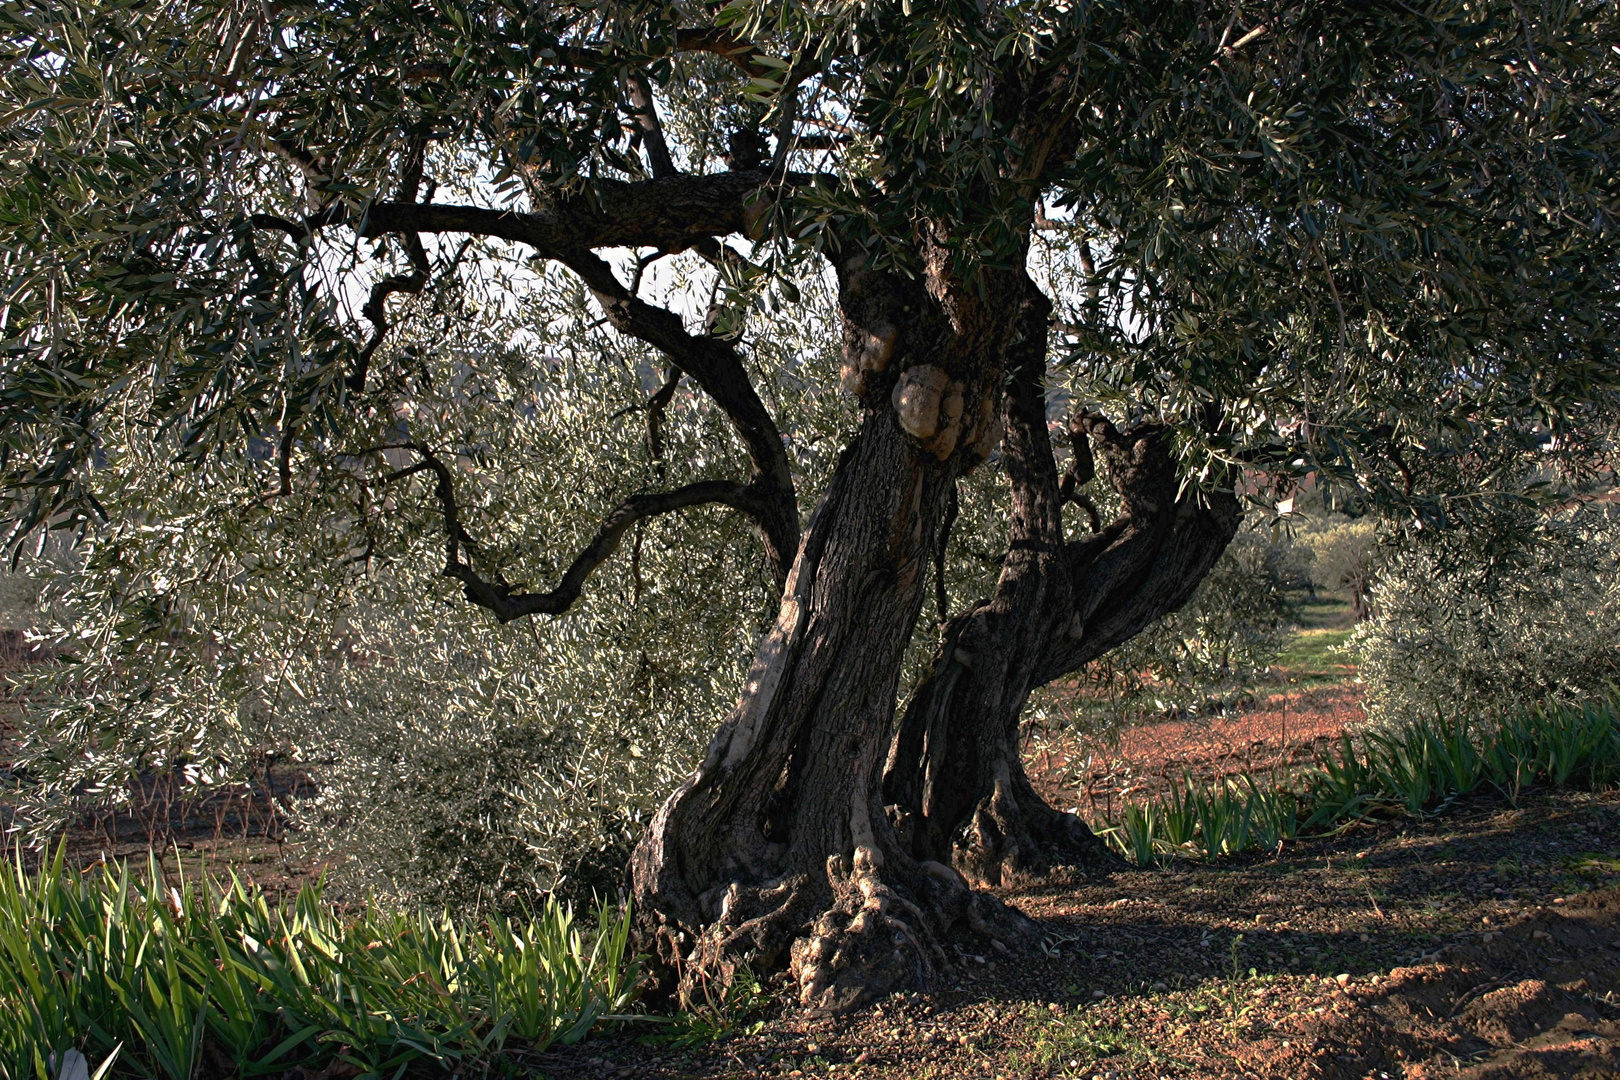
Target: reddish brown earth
(1307, 700)
(1483, 945)
(1276, 732)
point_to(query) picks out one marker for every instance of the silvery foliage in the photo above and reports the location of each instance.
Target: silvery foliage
(18, 596)
(213, 619)
(1527, 616)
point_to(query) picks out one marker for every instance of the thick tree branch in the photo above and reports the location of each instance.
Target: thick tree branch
(301, 231)
(744, 54)
(1082, 469)
(714, 365)
(669, 213)
(1149, 561)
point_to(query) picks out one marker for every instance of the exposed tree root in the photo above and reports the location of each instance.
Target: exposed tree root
(852, 934)
(881, 935)
(1015, 838)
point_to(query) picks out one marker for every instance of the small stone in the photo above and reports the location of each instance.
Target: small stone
(1097, 994)
(1365, 938)
(1343, 978)
(812, 1048)
(1264, 919)
(863, 1057)
(1161, 986)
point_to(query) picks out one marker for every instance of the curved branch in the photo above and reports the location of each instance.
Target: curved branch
(303, 229)
(714, 365)
(376, 307)
(1083, 501)
(498, 596)
(1149, 561)
(670, 214)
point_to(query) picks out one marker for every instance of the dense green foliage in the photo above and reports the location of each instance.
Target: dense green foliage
(1343, 557)
(160, 974)
(1368, 234)
(460, 761)
(1532, 615)
(1413, 771)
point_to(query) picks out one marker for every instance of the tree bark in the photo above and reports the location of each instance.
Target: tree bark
(778, 848)
(954, 783)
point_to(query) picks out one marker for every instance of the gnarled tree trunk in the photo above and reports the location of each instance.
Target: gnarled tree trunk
(778, 848)
(798, 840)
(955, 782)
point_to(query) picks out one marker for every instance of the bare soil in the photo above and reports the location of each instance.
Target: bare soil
(1481, 944)
(1309, 698)
(1274, 733)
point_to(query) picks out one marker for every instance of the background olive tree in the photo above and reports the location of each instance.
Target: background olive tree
(1530, 617)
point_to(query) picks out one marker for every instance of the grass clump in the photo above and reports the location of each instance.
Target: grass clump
(1072, 1044)
(162, 975)
(721, 1008)
(1413, 771)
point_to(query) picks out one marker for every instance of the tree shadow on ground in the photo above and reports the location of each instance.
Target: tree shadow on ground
(1401, 948)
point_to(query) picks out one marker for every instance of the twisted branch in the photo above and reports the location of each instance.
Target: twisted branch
(503, 599)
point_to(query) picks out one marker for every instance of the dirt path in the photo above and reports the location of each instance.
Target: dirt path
(1485, 944)
(1307, 700)
(1276, 732)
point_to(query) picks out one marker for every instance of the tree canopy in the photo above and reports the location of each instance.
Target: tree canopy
(1375, 221)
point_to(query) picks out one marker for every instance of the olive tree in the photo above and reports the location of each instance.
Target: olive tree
(1140, 247)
